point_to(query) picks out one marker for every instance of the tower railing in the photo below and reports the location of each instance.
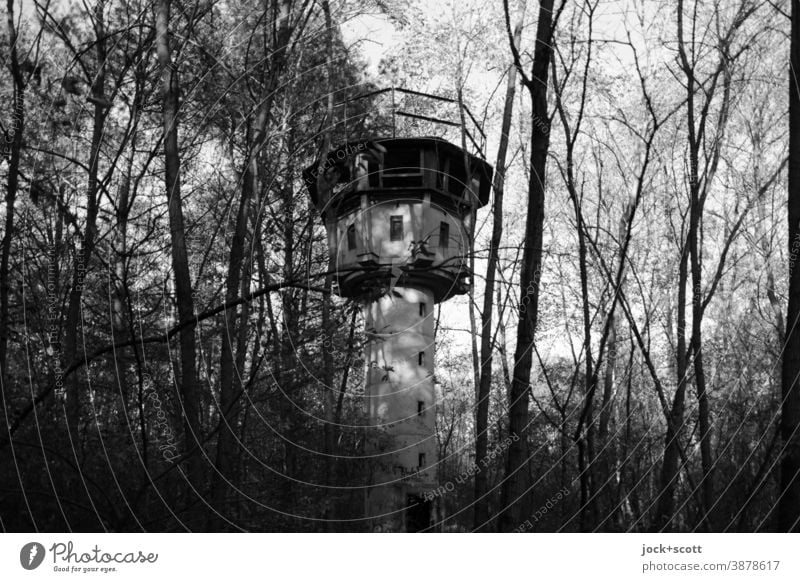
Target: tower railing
(476, 136)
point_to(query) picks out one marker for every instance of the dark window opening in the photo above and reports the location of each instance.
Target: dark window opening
(374, 173)
(396, 228)
(420, 408)
(401, 162)
(351, 237)
(421, 358)
(418, 513)
(441, 171)
(444, 234)
(402, 168)
(422, 310)
(456, 176)
(421, 459)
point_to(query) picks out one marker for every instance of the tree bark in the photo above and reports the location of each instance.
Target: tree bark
(230, 375)
(789, 504)
(84, 253)
(515, 486)
(12, 185)
(188, 384)
(327, 353)
(481, 515)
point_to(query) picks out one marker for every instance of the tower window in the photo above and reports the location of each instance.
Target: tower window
(351, 237)
(457, 176)
(421, 460)
(422, 309)
(402, 169)
(420, 408)
(444, 234)
(421, 358)
(396, 228)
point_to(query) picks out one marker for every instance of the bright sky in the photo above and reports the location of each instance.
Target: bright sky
(371, 35)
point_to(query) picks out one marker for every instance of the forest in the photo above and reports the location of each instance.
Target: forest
(174, 355)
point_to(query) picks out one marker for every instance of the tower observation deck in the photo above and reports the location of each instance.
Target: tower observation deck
(399, 214)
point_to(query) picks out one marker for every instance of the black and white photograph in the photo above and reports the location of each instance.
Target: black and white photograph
(405, 266)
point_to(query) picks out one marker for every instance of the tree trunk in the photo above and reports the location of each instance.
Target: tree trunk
(231, 360)
(481, 516)
(73, 322)
(584, 434)
(230, 375)
(670, 469)
(189, 389)
(18, 119)
(515, 486)
(789, 504)
(327, 328)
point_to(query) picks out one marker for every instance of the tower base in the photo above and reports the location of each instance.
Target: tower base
(399, 508)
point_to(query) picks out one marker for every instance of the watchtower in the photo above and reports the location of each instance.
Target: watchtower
(400, 214)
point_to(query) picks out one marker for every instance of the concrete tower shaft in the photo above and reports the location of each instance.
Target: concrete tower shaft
(401, 395)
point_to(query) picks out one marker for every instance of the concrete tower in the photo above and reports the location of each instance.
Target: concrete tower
(399, 214)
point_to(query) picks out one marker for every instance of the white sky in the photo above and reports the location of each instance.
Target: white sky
(372, 36)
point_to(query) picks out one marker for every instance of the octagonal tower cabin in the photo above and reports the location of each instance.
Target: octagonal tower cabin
(399, 214)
